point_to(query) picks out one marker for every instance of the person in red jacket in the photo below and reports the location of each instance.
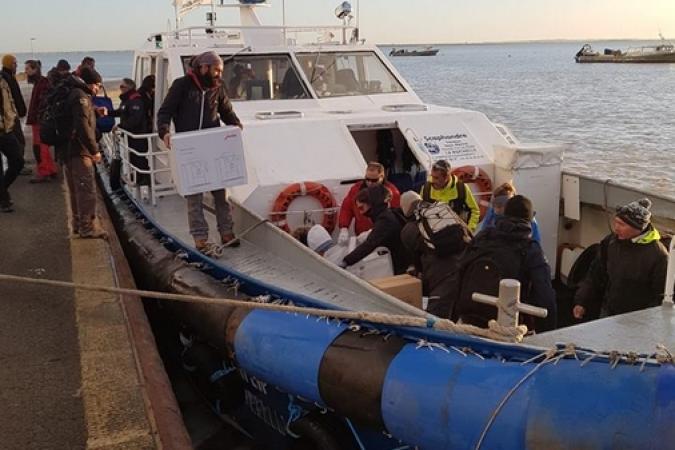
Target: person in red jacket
(46, 169)
(349, 211)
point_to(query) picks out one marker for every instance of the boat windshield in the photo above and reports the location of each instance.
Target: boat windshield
(260, 77)
(337, 74)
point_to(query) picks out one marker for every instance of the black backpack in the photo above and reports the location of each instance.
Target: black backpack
(482, 267)
(443, 232)
(55, 115)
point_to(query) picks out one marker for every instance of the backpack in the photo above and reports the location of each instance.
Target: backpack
(481, 269)
(442, 230)
(55, 116)
(458, 204)
(104, 124)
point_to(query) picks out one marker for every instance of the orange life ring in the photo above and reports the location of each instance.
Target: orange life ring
(295, 190)
(477, 176)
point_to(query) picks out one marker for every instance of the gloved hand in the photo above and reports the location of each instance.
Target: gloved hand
(342, 264)
(361, 238)
(343, 237)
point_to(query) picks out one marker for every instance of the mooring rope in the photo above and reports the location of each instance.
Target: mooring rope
(494, 333)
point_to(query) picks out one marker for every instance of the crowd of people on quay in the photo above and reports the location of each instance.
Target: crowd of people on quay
(64, 114)
(435, 234)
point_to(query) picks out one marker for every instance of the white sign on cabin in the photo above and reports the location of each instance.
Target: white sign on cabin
(207, 160)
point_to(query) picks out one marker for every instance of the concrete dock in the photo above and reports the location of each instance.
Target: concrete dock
(77, 369)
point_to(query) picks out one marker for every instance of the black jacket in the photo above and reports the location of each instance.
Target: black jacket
(512, 236)
(188, 102)
(440, 274)
(16, 92)
(133, 114)
(83, 141)
(386, 232)
(625, 275)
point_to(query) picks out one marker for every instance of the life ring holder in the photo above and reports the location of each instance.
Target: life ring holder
(476, 175)
(305, 188)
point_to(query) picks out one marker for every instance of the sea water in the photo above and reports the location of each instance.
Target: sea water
(617, 118)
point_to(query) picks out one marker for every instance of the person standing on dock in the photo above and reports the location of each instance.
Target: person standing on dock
(9, 145)
(83, 154)
(196, 101)
(8, 73)
(446, 187)
(46, 169)
(629, 271)
(57, 75)
(88, 62)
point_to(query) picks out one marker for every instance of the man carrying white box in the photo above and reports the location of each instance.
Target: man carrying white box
(197, 101)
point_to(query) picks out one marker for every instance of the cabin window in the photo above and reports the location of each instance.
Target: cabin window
(260, 77)
(339, 74)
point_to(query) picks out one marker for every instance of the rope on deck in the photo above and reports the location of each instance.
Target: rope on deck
(494, 333)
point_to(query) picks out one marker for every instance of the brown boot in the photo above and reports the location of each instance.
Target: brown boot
(94, 233)
(229, 240)
(204, 246)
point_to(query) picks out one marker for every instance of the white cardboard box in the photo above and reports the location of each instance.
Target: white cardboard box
(207, 160)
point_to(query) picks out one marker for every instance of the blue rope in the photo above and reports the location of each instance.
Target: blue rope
(356, 436)
(431, 320)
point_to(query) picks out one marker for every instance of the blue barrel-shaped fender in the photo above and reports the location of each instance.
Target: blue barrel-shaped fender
(285, 349)
(440, 400)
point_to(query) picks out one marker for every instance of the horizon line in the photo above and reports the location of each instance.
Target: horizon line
(512, 41)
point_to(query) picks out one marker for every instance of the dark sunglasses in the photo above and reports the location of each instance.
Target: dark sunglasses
(372, 180)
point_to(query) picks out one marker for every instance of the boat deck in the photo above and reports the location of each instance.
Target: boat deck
(638, 332)
(255, 261)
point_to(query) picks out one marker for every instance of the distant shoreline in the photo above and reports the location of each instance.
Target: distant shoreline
(420, 44)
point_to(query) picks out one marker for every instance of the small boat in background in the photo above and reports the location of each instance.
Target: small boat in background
(664, 52)
(428, 51)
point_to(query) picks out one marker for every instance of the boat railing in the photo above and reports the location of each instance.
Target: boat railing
(213, 36)
(158, 170)
(670, 275)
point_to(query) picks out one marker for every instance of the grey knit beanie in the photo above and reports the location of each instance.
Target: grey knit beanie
(208, 58)
(636, 214)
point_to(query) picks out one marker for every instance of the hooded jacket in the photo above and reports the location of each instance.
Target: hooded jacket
(440, 274)
(349, 211)
(534, 272)
(192, 106)
(83, 141)
(386, 232)
(626, 275)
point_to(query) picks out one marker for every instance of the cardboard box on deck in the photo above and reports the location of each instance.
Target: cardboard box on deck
(404, 287)
(207, 160)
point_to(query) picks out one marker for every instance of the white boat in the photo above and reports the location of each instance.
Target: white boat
(313, 112)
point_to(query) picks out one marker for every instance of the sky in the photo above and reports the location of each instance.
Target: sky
(79, 25)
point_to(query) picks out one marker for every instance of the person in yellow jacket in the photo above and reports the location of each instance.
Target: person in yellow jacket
(445, 187)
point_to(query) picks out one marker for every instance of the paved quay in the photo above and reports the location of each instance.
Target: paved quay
(77, 369)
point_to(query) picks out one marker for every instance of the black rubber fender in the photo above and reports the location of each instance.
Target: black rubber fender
(320, 433)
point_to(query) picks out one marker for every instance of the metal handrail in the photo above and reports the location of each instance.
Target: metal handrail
(130, 171)
(233, 33)
(670, 276)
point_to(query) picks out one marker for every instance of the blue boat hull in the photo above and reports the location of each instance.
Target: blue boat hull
(389, 387)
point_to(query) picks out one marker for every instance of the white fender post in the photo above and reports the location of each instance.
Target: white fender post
(508, 303)
(670, 276)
